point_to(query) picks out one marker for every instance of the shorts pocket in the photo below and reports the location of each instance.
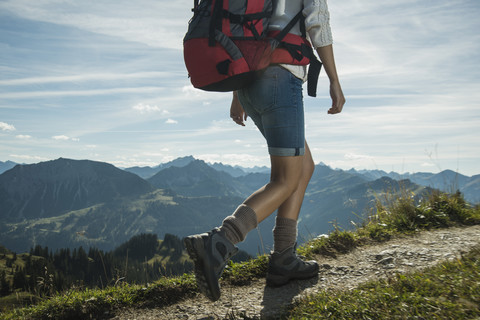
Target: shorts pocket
(263, 92)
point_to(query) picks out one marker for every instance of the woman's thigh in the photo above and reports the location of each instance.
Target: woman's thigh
(275, 103)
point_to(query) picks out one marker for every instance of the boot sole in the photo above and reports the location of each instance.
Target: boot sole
(206, 280)
(275, 280)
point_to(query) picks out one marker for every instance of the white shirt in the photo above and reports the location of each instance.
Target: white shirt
(317, 25)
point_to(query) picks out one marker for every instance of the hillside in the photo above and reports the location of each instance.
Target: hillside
(148, 172)
(7, 165)
(190, 199)
(446, 181)
(51, 188)
(198, 179)
(408, 261)
(147, 257)
(107, 224)
(79, 202)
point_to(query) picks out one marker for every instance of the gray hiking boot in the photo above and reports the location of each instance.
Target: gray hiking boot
(286, 265)
(210, 253)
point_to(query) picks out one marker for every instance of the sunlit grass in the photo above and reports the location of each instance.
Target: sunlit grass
(88, 303)
(450, 290)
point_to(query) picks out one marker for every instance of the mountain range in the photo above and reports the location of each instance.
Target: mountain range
(68, 203)
(50, 188)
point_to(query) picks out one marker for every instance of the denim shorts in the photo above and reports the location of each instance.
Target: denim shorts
(274, 101)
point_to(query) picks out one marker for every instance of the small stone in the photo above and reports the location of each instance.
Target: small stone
(385, 261)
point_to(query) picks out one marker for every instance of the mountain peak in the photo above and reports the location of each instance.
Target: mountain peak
(50, 188)
(7, 165)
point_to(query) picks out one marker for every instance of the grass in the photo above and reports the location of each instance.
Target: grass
(243, 273)
(418, 295)
(450, 290)
(394, 215)
(99, 303)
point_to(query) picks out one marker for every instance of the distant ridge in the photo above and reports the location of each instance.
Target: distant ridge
(447, 181)
(147, 172)
(197, 179)
(67, 203)
(50, 188)
(7, 165)
(235, 171)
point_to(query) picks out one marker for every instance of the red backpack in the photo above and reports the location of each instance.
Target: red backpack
(228, 43)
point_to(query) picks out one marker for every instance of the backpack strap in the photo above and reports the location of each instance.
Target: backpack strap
(299, 16)
(299, 51)
(247, 20)
(313, 74)
(215, 22)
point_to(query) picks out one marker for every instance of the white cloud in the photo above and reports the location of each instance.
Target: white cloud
(82, 78)
(233, 159)
(65, 138)
(146, 108)
(23, 136)
(205, 96)
(148, 22)
(354, 156)
(27, 157)
(61, 137)
(428, 164)
(6, 127)
(401, 79)
(88, 93)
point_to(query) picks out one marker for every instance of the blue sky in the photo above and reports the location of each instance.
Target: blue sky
(105, 80)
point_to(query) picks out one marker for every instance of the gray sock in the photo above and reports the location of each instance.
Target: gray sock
(236, 226)
(284, 234)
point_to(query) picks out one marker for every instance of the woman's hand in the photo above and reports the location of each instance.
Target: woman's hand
(236, 111)
(336, 93)
(338, 99)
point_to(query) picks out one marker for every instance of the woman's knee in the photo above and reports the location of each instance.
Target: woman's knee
(308, 167)
(287, 173)
(308, 164)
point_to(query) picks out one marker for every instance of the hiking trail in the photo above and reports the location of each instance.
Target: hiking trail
(399, 255)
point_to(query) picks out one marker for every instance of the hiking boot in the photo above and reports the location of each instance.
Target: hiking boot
(286, 265)
(210, 253)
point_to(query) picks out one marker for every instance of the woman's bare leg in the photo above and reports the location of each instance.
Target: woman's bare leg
(285, 231)
(291, 207)
(286, 174)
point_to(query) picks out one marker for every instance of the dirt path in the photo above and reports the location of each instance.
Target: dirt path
(346, 271)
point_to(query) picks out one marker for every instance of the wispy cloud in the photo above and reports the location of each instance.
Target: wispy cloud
(61, 138)
(146, 108)
(111, 73)
(157, 24)
(71, 93)
(6, 127)
(64, 138)
(406, 44)
(83, 77)
(354, 156)
(241, 159)
(23, 136)
(25, 157)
